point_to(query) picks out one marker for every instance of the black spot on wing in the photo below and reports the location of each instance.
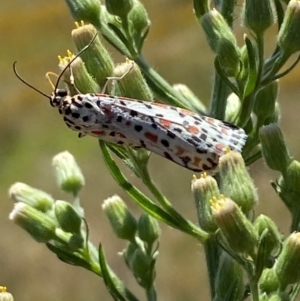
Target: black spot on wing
(138, 128)
(68, 111)
(185, 160)
(75, 115)
(168, 156)
(133, 113)
(147, 105)
(68, 120)
(119, 118)
(165, 142)
(88, 105)
(171, 134)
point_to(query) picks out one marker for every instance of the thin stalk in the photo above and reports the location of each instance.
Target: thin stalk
(212, 254)
(219, 98)
(151, 293)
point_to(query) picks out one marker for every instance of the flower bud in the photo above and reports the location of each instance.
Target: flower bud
(148, 229)
(68, 173)
(264, 102)
(229, 57)
(234, 226)
(204, 189)
(292, 176)
(233, 172)
(138, 16)
(128, 253)
(288, 261)
(4, 295)
(120, 8)
(288, 190)
(69, 220)
(39, 225)
(132, 83)
(120, 218)
(275, 117)
(38, 199)
(86, 10)
(97, 59)
(191, 101)
(259, 15)
(268, 281)
(274, 148)
(232, 107)
(216, 29)
(269, 243)
(289, 35)
(79, 79)
(267, 230)
(141, 267)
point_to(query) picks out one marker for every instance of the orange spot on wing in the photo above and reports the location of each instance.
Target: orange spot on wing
(151, 137)
(193, 129)
(166, 123)
(220, 147)
(180, 151)
(121, 135)
(224, 131)
(197, 161)
(98, 132)
(211, 120)
(184, 111)
(160, 105)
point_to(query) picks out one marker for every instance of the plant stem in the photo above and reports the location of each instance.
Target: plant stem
(219, 98)
(212, 253)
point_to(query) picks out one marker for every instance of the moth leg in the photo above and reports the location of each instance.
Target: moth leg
(116, 78)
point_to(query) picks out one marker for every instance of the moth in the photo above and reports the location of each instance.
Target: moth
(192, 141)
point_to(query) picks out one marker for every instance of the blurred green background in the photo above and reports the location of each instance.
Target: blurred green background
(34, 33)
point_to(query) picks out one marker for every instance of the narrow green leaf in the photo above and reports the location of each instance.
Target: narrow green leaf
(252, 68)
(279, 12)
(106, 273)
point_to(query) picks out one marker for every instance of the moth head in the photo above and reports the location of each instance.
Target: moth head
(57, 97)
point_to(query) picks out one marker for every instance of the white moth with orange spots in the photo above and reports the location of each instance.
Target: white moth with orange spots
(192, 141)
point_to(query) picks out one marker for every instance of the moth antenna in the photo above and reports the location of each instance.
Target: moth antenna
(73, 59)
(26, 83)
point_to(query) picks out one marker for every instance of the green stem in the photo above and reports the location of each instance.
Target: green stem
(162, 200)
(247, 105)
(280, 61)
(254, 290)
(212, 254)
(219, 98)
(159, 84)
(260, 45)
(151, 293)
(130, 45)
